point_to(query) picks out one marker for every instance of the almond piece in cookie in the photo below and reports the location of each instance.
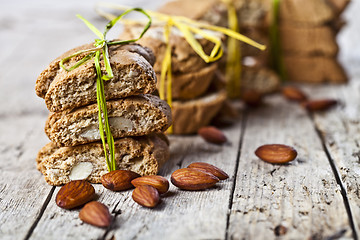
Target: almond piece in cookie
(143, 155)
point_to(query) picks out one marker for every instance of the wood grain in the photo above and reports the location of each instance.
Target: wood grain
(302, 196)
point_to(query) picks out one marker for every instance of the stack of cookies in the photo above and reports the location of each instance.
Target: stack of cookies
(251, 14)
(307, 36)
(195, 102)
(308, 32)
(137, 119)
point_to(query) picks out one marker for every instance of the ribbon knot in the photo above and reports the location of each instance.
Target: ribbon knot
(100, 42)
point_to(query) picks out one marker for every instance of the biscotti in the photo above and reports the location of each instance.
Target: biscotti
(196, 113)
(133, 75)
(143, 155)
(132, 116)
(314, 69)
(191, 85)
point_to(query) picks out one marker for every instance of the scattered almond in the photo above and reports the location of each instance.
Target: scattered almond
(294, 94)
(319, 105)
(146, 196)
(158, 182)
(193, 179)
(217, 172)
(74, 194)
(280, 230)
(95, 213)
(119, 180)
(212, 135)
(276, 153)
(252, 98)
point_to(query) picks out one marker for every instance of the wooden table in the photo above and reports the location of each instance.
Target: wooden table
(315, 197)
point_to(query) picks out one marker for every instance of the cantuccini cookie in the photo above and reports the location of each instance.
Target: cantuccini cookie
(133, 74)
(144, 155)
(132, 116)
(191, 85)
(193, 114)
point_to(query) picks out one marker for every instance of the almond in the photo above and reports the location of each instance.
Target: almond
(193, 179)
(158, 182)
(95, 213)
(217, 172)
(119, 180)
(276, 153)
(212, 135)
(146, 196)
(294, 94)
(74, 194)
(252, 98)
(319, 105)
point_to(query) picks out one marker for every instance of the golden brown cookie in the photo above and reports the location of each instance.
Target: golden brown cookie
(190, 85)
(133, 74)
(132, 116)
(144, 155)
(191, 115)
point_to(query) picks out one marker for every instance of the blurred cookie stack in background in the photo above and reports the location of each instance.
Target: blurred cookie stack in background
(308, 30)
(252, 22)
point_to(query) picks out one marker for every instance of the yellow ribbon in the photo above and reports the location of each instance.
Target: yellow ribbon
(188, 28)
(233, 61)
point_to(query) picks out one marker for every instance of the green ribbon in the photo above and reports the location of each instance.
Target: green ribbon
(277, 61)
(102, 47)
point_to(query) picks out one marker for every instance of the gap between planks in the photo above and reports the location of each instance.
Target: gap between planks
(337, 177)
(231, 198)
(42, 210)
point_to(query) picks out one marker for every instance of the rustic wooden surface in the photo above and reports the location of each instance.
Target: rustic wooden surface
(316, 196)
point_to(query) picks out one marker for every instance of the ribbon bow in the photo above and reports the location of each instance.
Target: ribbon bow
(102, 47)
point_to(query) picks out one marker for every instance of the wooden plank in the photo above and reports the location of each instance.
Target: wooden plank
(340, 129)
(181, 214)
(22, 189)
(302, 196)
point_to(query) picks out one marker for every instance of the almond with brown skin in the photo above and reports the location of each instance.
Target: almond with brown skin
(96, 214)
(193, 179)
(146, 196)
(75, 194)
(294, 94)
(212, 135)
(319, 105)
(158, 182)
(276, 153)
(119, 180)
(217, 172)
(252, 98)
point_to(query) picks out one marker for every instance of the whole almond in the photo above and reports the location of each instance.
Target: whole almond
(217, 172)
(119, 180)
(146, 196)
(158, 182)
(294, 94)
(193, 179)
(95, 213)
(212, 135)
(74, 194)
(319, 105)
(252, 98)
(276, 153)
